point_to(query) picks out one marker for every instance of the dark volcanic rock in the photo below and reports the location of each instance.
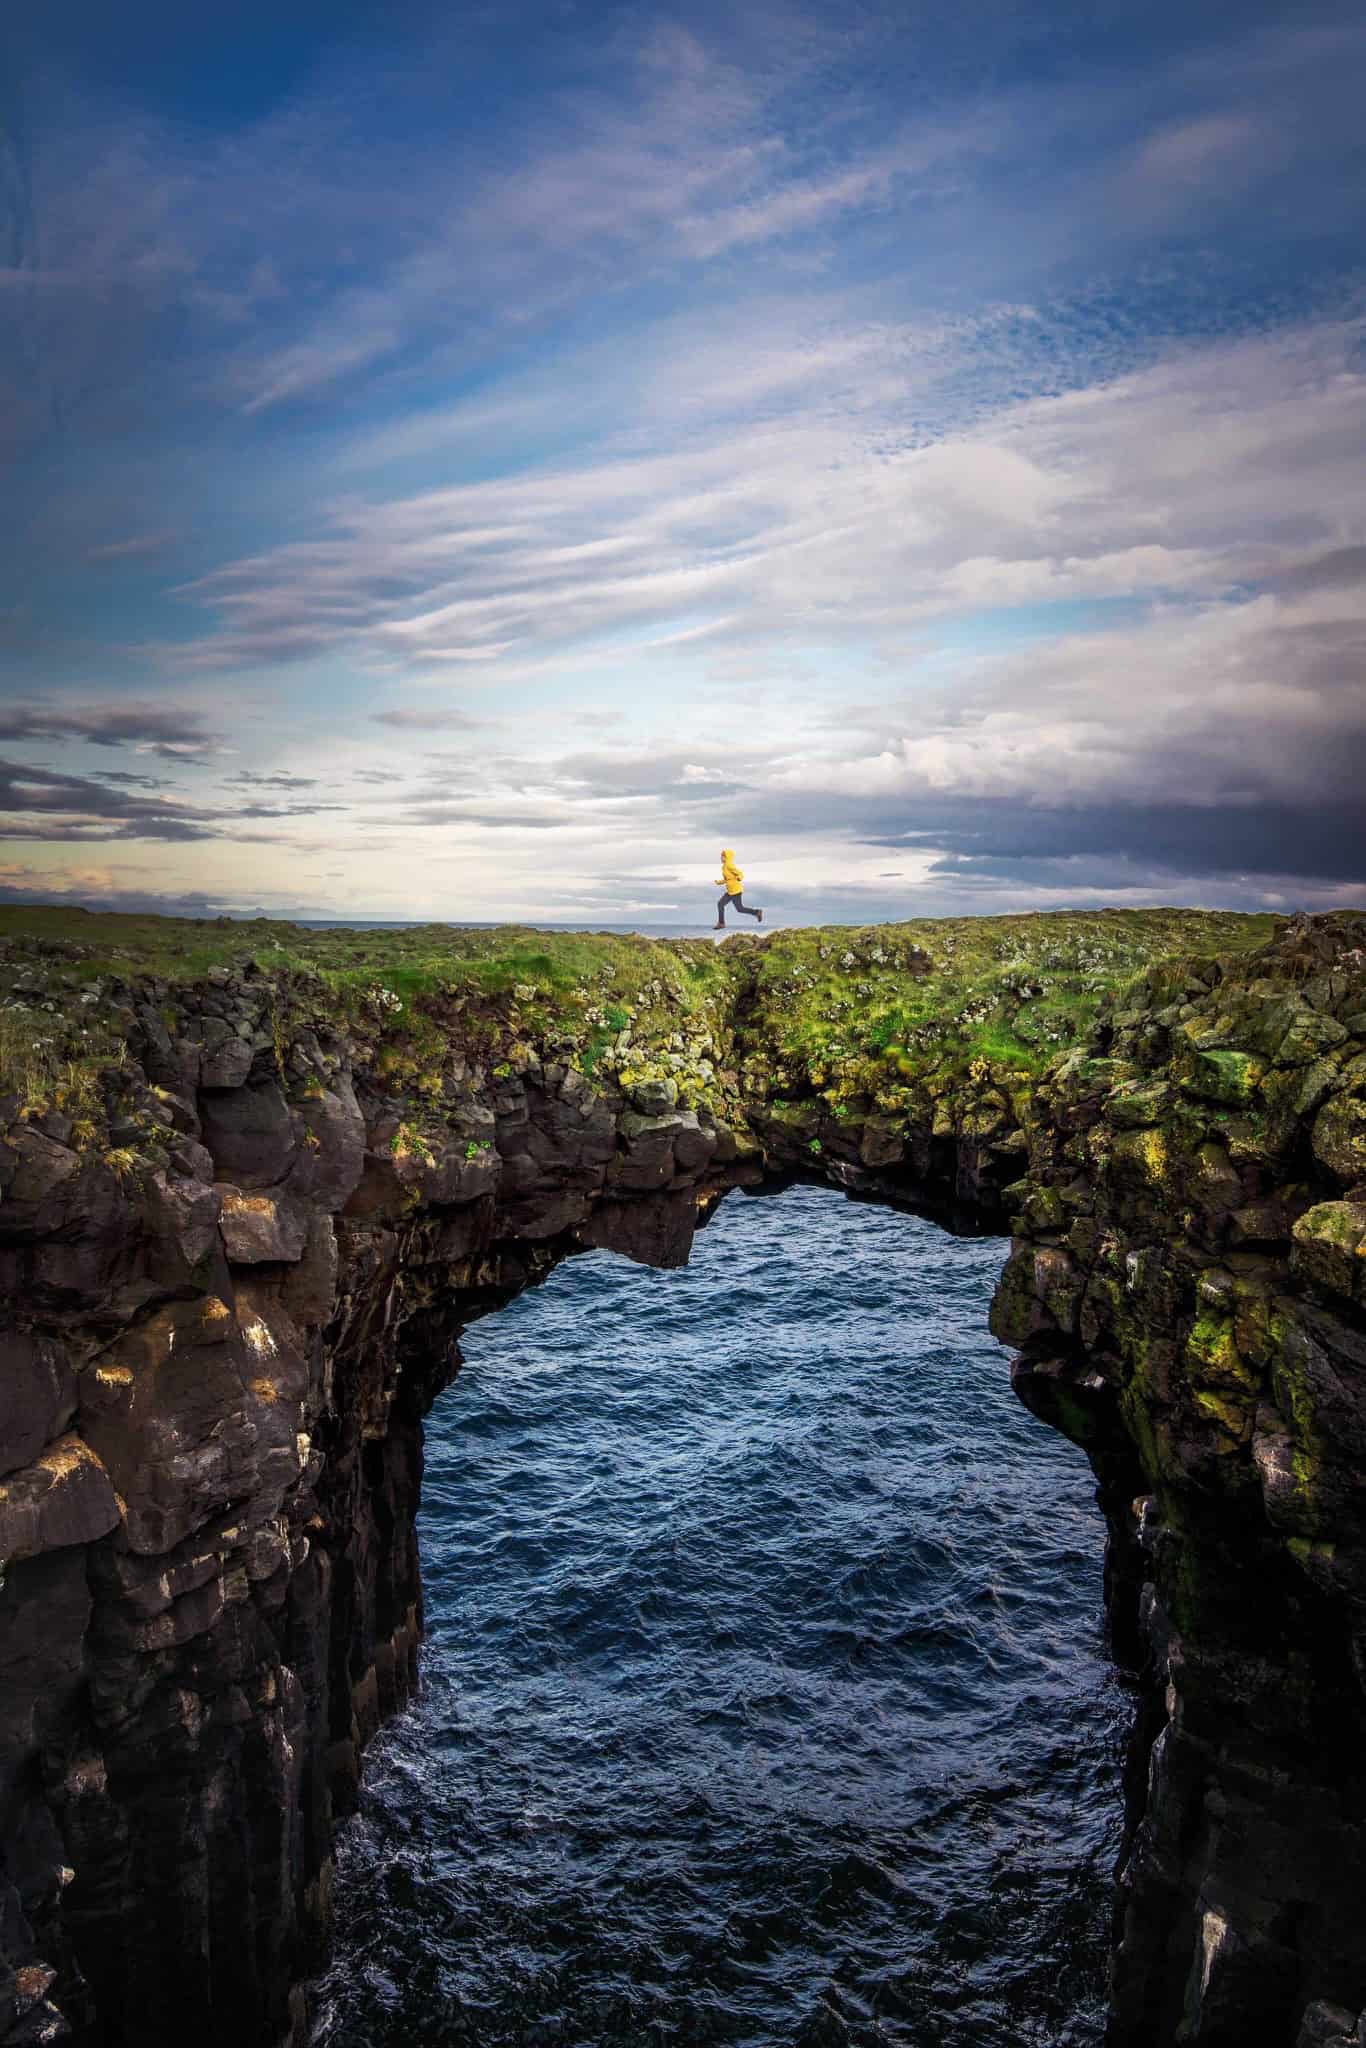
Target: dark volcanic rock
(37, 1396)
(228, 1314)
(1185, 1289)
(250, 1133)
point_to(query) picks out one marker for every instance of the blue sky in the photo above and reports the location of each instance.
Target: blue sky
(468, 461)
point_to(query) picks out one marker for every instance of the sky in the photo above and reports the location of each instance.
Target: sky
(466, 461)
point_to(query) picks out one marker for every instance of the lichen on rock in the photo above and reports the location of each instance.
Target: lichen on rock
(255, 1185)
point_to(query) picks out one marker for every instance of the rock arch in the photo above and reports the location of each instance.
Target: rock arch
(223, 1332)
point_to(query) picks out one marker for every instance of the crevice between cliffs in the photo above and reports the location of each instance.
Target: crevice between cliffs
(239, 1243)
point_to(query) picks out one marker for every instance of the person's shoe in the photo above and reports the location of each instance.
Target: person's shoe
(720, 925)
(760, 915)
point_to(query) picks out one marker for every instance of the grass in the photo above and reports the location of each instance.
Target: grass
(887, 1016)
(411, 998)
(895, 1015)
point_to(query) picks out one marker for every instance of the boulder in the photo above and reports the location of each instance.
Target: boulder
(227, 1065)
(331, 1156)
(647, 1160)
(62, 1498)
(1340, 1137)
(654, 1098)
(250, 1134)
(35, 1169)
(1330, 1248)
(182, 1215)
(261, 1228)
(310, 1287)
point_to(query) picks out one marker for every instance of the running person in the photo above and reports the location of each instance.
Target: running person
(730, 879)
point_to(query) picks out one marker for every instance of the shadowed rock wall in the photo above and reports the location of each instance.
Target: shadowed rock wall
(1186, 1289)
(224, 1325)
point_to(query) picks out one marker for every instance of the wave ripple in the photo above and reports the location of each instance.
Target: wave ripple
(765, 1701)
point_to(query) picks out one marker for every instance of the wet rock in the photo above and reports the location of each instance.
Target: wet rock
(1328, 2026)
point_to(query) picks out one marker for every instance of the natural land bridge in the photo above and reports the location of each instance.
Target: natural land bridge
(256, 1180)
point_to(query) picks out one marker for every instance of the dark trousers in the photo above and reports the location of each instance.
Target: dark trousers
(735, 899)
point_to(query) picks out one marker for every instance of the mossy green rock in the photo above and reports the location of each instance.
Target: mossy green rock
(471, 1107)
(1221, 1075)
(1340, 1137)
(1330, 1248)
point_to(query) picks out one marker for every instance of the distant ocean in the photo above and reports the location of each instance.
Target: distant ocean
(475, 924)
(765, 1700)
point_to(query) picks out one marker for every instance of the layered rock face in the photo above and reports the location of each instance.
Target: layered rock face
(234, 1284)
(210, 1459)
(1188, 1289)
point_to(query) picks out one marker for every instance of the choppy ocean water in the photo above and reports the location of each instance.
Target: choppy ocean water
(765, 1697)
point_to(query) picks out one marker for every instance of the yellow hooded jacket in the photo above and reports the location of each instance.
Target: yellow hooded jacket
(730, 877)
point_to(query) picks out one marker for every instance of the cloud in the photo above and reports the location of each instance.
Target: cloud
(437, 719)
(77, 807)
(173, 732)
(137, 547)
(40, 802)
(248, 778)
(795, 534)
(893, 440)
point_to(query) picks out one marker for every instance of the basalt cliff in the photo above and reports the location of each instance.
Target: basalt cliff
(254, 1182)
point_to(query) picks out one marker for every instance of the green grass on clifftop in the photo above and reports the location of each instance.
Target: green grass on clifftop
(881, 1015)
(890, 1012)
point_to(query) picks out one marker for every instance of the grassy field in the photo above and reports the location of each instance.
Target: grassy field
(860, 1012)
(860, 1016)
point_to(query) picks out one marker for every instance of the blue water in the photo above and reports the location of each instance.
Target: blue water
(765, 1700)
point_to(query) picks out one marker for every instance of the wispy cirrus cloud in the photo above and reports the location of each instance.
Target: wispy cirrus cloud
(774, 427)
(800, 529)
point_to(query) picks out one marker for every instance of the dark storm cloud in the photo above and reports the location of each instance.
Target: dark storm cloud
(1339, 569)
(1018, 842)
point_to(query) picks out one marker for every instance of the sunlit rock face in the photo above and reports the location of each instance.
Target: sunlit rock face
(236, 1259)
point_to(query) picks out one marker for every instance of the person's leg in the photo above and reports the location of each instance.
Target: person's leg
(721, 913)
(739, 905)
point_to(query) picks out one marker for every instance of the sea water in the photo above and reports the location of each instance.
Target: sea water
(765, 1698)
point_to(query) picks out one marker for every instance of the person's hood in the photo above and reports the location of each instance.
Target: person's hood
(727, 853)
